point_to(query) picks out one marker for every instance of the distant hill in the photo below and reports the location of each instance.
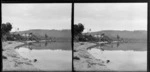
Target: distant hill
(130, 35)
(51, 33)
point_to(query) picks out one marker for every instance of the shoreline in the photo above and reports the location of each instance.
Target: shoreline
(84, 61)
(14, 61)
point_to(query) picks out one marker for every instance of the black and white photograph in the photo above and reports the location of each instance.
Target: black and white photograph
(36, 37)
(110, 36)
(75, 35)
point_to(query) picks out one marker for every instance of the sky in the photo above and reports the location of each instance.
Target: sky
(37, 16)
(111, 16)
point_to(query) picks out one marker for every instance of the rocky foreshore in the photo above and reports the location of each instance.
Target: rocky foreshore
(84, 61)
(12, 61)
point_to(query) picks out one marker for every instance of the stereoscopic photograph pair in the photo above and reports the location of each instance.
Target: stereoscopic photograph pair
(78, 37)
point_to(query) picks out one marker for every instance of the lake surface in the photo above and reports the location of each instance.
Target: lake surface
(52, 56)
(123, 57)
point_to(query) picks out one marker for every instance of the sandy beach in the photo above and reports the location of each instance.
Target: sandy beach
(84, 61)
(13, 61)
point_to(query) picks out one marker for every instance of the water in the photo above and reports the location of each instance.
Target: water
(123, 57)
(123, 46)
(50, 56)
(50, 45)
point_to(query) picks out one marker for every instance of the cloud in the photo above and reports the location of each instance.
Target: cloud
(45, 11)
(111, 10)
(103, 16)
(38, 16)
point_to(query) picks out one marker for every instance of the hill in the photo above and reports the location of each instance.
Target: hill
(128, 35)
(65, 34)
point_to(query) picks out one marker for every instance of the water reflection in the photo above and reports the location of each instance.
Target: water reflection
(122, 60)
(38, 44)
(122, 56)
(118, 44)
(49, 45)
(49, 55)
(121, 46)
(48, 60)
(46, 43)
(102, 46)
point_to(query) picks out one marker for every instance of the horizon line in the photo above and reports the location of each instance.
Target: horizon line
(113, 30)
(40, 29)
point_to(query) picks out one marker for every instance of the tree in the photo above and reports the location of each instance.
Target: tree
(5, 28)
(78, 29)
(46, 36)
(118, 37)
(31, 36)
(81, 28)
(9, 27)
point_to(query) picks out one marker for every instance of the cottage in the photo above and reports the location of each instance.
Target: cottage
(98, 35)
(26, 35)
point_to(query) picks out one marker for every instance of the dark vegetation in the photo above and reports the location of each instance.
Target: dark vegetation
(4, 57)
(76, 58)
(108, 35)
(8, 36)
(79, 36)
(5, 29)
(54, 35)
(126, 36)
(36, 34)
(48, 45)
